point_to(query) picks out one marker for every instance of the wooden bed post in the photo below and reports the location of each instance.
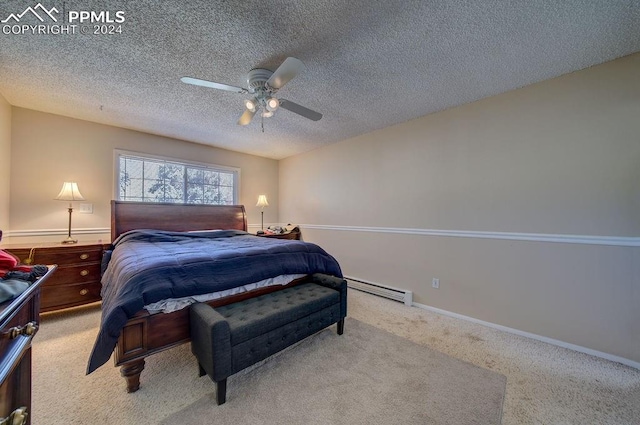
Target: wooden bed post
(131, 372)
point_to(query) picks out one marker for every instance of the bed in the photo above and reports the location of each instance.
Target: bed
(144, 333)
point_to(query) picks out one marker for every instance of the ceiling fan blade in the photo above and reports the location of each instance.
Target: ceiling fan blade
(285, 72)
(300, 110)
(211, 84)
(246, 117)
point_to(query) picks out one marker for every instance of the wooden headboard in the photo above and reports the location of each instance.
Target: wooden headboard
(127, 216)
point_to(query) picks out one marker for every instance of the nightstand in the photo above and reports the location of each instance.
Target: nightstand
(77, 279)
(292, 234)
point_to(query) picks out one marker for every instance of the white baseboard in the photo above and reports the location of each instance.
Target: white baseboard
(606, 356)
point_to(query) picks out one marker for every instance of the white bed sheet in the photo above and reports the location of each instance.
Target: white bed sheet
(174, 304)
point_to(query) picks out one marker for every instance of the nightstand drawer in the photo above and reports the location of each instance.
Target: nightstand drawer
(60, 255)
(77, 274)
(63, 256)
(56, 297)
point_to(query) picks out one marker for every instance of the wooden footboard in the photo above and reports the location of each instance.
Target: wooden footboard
(146, 334)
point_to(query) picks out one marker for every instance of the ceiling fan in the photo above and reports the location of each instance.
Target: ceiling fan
(263, 85)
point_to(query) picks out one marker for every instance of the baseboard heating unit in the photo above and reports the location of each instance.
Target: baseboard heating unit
(385, 291)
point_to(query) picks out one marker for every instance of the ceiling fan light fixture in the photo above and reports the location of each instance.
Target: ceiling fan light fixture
(263, 83)
(251, 104)
(272, 104)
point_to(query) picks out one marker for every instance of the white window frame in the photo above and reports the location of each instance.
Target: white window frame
(117, 153)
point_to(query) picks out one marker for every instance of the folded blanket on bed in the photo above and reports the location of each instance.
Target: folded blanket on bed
(147, 266)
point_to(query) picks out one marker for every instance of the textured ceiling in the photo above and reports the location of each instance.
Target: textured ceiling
(369, 64)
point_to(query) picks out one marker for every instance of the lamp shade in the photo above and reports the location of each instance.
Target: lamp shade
(262, 201)
(69, 192)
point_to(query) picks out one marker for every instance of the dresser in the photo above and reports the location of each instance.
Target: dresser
(19, 321)
(77, 280)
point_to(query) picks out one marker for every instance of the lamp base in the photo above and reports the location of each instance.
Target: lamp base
(69, 240)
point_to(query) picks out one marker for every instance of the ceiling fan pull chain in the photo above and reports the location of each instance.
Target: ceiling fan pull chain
(262, 122)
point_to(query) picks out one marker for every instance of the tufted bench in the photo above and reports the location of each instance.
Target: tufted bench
(227, 339)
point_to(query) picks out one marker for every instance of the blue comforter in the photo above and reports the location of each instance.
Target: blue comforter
(147, 266)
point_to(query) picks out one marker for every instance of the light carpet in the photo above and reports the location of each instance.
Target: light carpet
(366, 376)
(546, 384)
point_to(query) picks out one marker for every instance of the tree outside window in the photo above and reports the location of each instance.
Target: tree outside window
(149, 179)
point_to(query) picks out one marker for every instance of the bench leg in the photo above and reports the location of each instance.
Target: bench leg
(341, 327)
(221, 391)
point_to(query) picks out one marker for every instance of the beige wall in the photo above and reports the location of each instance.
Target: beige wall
(558, 157)
(5, 161)
(49, 149)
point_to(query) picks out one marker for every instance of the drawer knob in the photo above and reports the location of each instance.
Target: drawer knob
(84, 292)
(84, 272)
(27, 330)
(84, 256)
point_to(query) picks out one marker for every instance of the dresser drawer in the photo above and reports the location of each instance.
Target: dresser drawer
(10, 344)
(56, 297)
(62, 256)
(75, 274)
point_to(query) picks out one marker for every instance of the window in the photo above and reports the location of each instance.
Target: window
(155, 179)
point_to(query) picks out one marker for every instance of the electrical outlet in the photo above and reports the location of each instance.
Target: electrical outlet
(86, 209)
(435, 283)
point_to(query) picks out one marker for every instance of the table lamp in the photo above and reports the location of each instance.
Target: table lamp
(69, 192)
(262, 202)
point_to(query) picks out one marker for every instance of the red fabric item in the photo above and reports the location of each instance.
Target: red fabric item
(21, 268)
(7, 261)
